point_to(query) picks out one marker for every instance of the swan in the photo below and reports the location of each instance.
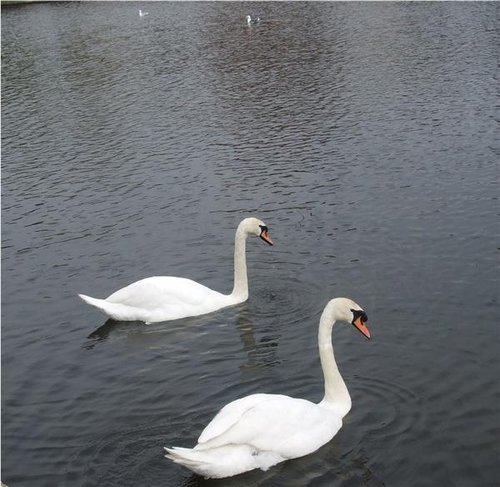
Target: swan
(261, 430)
(252, 21)
(142, 13)
(163, 298)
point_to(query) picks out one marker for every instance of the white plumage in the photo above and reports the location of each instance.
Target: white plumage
(250, 20)
(261, 430)
(163, 298)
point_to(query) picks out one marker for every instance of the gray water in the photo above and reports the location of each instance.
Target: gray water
(365, 135)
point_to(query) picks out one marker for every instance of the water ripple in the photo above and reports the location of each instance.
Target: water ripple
(363, 134)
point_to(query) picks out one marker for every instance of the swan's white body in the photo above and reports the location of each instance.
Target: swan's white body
(163, 298)
(142, 13)
(261, 430)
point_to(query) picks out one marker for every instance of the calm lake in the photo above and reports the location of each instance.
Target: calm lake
(365, 135)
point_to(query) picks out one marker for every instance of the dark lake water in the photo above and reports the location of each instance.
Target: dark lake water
(365, 135)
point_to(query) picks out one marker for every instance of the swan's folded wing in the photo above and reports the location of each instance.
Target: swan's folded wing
(163, 291)
(281, 424)
(229, 415)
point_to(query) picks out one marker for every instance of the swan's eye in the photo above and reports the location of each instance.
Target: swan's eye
(358, 313)
(264, 228)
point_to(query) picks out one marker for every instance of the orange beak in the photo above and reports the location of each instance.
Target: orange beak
(361, 327)
(264, 235)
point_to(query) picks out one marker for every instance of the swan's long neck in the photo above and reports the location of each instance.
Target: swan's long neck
(336, 394)
(240, 289)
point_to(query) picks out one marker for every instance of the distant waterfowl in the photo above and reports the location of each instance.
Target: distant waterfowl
(142, 13)
(251, 20)
(261, 430)
(163, 298)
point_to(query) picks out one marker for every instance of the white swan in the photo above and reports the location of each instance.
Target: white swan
(252, 21)
(163, 298)
(142, 13)
(261, 430)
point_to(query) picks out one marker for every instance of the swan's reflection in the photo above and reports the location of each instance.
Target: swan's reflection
(103, 332)
(137, 329)
(100, 334)
(260, 352)
(256, 477)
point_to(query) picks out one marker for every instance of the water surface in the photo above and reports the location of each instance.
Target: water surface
(364, 135)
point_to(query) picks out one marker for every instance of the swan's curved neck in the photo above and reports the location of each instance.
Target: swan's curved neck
(337, 396)
(240, 289)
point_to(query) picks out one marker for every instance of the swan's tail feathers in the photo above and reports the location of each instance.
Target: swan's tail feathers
(184, 456)
(222, 461)
(117, 311)
(92, 301)
(189, 458)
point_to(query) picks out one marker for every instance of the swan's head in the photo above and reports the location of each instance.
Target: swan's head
(254, 226)
(349, 311)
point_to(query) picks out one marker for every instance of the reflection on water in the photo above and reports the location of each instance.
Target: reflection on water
(103, 331)
(363, 134)
(262, 353)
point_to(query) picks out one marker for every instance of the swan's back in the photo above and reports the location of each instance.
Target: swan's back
(163, 291)
(229, 415)
(287, 426)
